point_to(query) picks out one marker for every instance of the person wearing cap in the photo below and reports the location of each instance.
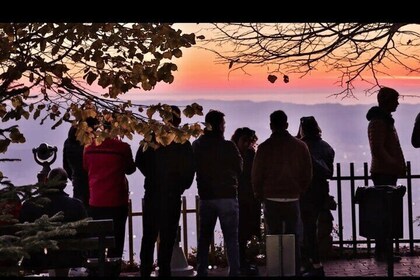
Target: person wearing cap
(388, 163)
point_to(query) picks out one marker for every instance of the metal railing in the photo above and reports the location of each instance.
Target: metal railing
(339, 179)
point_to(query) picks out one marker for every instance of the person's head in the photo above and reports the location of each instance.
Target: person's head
(176, 116)
(244, 138)
(60, 176)
(278, 121)
(216, 120)
(309, 127)
(388, 99)
(92, 122)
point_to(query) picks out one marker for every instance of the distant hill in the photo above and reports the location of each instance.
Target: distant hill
(343, 126)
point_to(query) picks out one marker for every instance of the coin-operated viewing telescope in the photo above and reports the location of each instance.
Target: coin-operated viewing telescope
(44, 155)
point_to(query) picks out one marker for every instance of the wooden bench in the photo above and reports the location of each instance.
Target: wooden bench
(96, 235)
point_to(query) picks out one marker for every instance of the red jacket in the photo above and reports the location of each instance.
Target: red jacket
(107, 165)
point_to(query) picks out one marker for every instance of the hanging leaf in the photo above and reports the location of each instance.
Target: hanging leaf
(272, 78)
(286, 79)
(231, 64)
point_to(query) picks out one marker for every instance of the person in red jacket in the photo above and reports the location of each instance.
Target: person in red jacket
(107, 165)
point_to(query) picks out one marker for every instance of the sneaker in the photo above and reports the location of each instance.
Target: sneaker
(316, 272)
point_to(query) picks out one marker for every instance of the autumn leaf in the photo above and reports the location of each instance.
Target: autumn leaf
(4, 143)
(49, 80)
(150, 111)
(272, 78)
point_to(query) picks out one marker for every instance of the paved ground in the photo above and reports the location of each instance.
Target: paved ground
(408, 266)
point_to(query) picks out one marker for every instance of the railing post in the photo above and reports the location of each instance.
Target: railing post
(185, 225)
(197, 216)
(353, 209)
(340, 209)
(366, 182)
(130, 233)
(410, 208)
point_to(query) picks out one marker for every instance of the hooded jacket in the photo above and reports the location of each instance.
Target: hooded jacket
(387, 155)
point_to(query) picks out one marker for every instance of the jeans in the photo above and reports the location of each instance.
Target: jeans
(275, 214)
(227, 210)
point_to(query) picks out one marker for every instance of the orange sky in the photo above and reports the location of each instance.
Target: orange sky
(199, 77)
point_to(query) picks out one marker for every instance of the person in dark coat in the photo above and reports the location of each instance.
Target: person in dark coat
(58, 200)
(168, 171)
(73, 164)
(313, 201)
(249, 207)
(73, 208)
(388, 163)
(218, 166)
(281, 173)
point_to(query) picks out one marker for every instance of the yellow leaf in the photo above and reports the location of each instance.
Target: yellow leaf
(4, 143)
(150, 111)
(100, 64)
(48, 80)
(177, 53)
(91, 77)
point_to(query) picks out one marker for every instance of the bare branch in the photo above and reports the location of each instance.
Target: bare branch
(347, 49)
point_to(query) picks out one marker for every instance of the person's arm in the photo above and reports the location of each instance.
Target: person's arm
(188, 167)
(415, 136)
(130, 166)
(238, 162)
(66, 164)
(145, 160)
(257, 174)
(306, 168)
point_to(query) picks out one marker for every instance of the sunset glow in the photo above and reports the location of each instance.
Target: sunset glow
(199, 77)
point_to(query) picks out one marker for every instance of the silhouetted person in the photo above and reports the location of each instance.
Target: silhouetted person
(107, 165)
(315, 199)
(168, 171)
(388, 163)
(415, 135)
(73, 164)
(249, 207)
(218, 167)
(281, 173)
(58, 200)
